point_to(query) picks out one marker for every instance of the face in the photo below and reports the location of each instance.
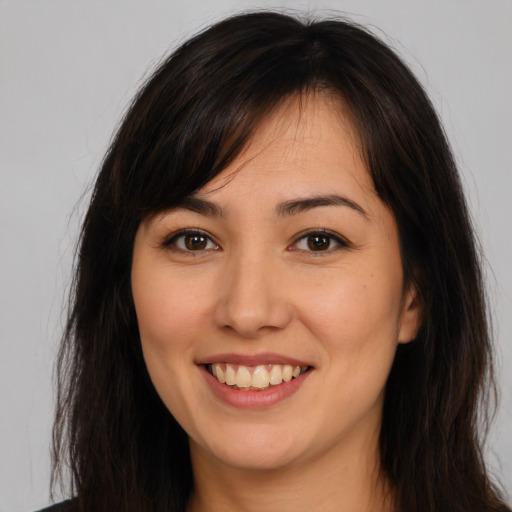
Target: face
(270, 304)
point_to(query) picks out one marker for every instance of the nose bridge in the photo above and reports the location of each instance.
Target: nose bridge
(252, 300)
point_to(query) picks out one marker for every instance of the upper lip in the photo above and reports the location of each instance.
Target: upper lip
(252, 360)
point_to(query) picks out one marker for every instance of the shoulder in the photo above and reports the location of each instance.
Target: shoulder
(63, 506)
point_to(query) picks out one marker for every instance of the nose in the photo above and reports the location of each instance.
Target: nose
(252, 299)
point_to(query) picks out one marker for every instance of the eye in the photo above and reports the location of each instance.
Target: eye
(190, 241)
(319, 241)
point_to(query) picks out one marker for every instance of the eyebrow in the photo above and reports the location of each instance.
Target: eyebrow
(300, 205)
(284, 209)
(201, 206)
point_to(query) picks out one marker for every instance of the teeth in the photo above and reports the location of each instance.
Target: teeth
(287, 372)
(243, 377)
(255, 378)
(230, 375)
(260, 378)
(276, 375)
(218, 372)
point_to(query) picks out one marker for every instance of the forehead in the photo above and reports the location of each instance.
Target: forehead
(306, 145)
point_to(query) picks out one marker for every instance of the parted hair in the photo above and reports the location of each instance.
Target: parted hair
(193, 116)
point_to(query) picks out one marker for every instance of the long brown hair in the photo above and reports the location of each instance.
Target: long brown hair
(190, 120)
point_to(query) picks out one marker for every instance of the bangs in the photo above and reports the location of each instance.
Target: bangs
(198, 111)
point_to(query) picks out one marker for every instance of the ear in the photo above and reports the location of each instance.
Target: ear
(412, 312)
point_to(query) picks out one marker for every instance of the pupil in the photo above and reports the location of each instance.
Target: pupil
(195, 242)
(318, 242)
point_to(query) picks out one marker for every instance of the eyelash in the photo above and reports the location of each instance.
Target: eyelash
(171, 241)
(330, 235)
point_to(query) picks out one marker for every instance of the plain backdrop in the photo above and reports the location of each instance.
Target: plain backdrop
(67, 71)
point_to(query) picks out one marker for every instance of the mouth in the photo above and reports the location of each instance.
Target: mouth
(255, 378)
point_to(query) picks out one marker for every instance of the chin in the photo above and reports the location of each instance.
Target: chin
(252, 451)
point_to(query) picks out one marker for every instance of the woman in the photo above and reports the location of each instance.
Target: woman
(278, 302)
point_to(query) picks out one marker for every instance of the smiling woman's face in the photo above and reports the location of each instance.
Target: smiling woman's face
(282, 276)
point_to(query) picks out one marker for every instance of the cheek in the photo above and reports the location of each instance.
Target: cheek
(169, 311)
(169, 318)
(356, 317)
(351, 309)
(356, 321)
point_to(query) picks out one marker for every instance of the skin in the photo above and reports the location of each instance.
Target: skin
(257, 287)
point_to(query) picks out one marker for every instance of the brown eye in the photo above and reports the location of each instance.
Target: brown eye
(190, 241)
(319, 242)
(195, 242)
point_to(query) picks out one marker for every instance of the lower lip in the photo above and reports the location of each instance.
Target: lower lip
(254, 399)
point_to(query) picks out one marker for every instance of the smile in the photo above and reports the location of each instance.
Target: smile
(254, 378)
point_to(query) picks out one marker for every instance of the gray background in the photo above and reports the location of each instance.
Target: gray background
(67, 72)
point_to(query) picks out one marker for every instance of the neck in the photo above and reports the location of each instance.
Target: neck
(334, 482)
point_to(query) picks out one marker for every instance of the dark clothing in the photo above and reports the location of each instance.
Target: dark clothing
(63, 506)
(70, 506)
